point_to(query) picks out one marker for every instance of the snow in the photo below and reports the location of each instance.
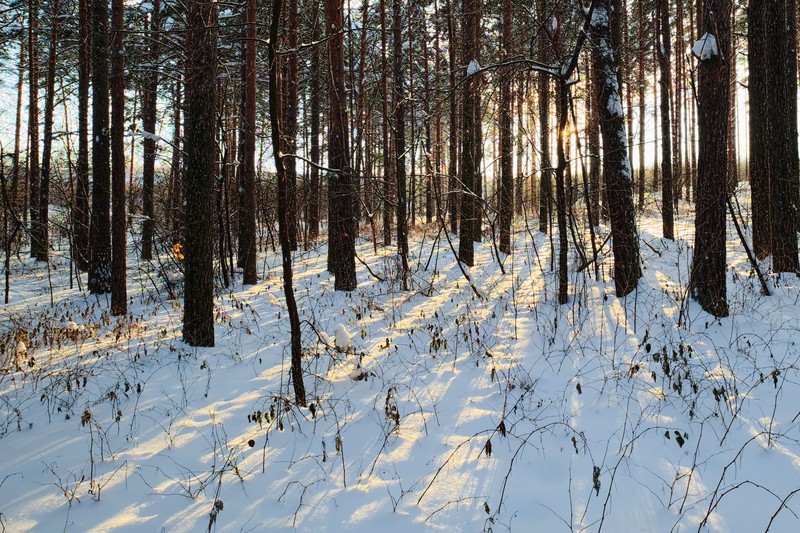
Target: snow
(599, 17)
(706, 47)
(452, 412)
(326, 339)
(343, 340)
(473, 67)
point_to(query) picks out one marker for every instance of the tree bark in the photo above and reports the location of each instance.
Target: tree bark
(149, 109)
(782, 156)
(616, 165)
(341, 188)
(40, 238)
(453, 190)
(279, 140)
(119, 294)
(33, 125)
(708, 282)
(201, 150)
(290, 120)
(506, 139)
(667, 186)
(100, 225)
(398, 101)
(545, 186)
(80, 212)
(471, 152)
(757, 88)
(315, 111)
(247, 150)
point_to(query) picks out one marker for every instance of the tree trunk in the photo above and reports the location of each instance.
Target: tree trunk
(341, 187)
(760, 147)
(545, 187)
(315, 111)
(119, 294)
(175, 200)
(562, 103)
(247, 150)
(279, 140)
(733, 174)
(453, 190)
(398, 101)
(100, 225)
(667, 186)
(707, 282)
(506, 140)
(616, 166)
(80, 212)
(641, 93)
(471, 152)
(15, 170)
(33, 125)
(40, 238)
(290, 121)
(201, 151)
(782, 157)
(149, 109)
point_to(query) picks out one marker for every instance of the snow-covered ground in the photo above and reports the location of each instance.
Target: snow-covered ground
(449, 409)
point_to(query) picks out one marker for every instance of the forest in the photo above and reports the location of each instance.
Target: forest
(276, 265)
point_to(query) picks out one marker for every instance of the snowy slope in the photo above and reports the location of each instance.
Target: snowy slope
(499, 412)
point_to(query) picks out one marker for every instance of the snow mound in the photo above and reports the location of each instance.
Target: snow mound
(325, 338)
(705, 47)
(343, 339)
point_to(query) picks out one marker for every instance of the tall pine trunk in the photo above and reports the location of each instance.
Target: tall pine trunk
(616, 165)
(119, 293)
(80, 212)
(149, 109)
(470, 155)
(667, 186)
(100, 225)
(278, 140)
(707, 282)
(314, 88)
(247, 150)
(33, 125)
(398, 102)
(341, 186)
(40, 237)
(506, 140)
(201, 151)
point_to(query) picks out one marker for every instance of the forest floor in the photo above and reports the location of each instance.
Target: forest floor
(454, 409)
